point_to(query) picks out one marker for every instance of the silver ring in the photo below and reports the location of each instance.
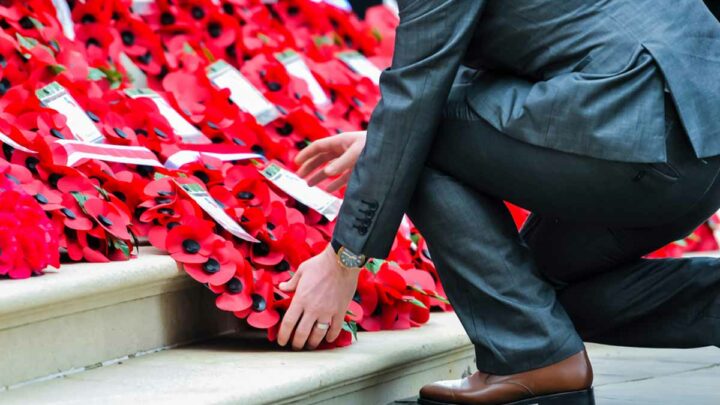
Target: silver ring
(322, 326)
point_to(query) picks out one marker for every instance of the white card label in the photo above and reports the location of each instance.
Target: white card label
(136, 75)
(326, 204)
(392, 5)
(341, 4)
(187, 131)
(65, 17)
(216, 212)
(56, 97)
(242, 92)
(141, 7)
(178, 159)
(297, 67)
(359, 64)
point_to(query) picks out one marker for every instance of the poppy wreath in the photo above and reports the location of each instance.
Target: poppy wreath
(94, 223)
(94, 210)
(245, 275)
(29, 240)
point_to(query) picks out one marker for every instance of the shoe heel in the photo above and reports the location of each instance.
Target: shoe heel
(585, 397)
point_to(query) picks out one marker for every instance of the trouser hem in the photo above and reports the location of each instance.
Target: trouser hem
(570, 347)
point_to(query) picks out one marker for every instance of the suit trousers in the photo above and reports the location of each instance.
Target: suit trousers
(576, 269)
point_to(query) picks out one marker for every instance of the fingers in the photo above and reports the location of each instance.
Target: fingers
(321, 175)
(325, 145)
(288, 323)
(345, 162)
(303, 330)
(317, 334)
(291, 285)
(339, 182)
(313, 163)
(335, 327)
(317, 178)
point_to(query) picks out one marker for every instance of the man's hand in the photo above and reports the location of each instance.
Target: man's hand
(342, 151)
(323, 290)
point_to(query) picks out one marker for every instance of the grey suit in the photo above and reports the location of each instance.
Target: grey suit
(596, 115)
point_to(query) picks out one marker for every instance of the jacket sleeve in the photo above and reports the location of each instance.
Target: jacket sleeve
(430, 43)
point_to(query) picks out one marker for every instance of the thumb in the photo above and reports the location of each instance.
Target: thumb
(291, 285)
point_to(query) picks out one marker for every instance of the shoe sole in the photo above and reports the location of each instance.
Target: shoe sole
(585, 397)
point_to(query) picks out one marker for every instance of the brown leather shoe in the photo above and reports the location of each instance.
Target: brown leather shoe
(565, 383)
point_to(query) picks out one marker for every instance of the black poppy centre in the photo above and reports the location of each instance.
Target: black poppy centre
(41, 199)
(259, 304)
(261, 249)
(234, 286)
(104, 220)
(190, 246)
(68, 213)
(211, 266)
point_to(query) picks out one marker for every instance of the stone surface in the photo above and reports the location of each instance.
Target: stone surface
(86, 313)
(631, 376)
(379, 368)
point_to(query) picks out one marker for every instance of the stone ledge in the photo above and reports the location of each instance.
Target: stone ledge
(379, 368)
(81, 286)
(88, 313)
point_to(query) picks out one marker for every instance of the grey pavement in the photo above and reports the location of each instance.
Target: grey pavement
(631, 376)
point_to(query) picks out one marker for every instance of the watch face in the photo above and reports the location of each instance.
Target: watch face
(350, 259)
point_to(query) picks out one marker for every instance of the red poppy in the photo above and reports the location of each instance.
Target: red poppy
(168, 215)
(262, 314)
(219, 267)
(206, 168)
(192, 241)
(219, 31)
(94, 245)
(91, 12)
(48, 199)
(236, 295)
(126, 186)
(252, 192)
(116, 130)
(99, 43)
(109, 217)
(72, 216)
(265, 253)
(74, 182)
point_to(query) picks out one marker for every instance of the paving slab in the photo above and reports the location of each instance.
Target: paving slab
(633, 376)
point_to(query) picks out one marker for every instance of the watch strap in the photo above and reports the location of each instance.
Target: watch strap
(335, 245)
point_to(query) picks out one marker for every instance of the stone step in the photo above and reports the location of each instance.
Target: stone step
(377, 369)
(85, 314)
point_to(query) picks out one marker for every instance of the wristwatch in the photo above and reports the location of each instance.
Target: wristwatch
(346, 258)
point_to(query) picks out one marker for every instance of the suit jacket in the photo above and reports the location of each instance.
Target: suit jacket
(579, 76)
